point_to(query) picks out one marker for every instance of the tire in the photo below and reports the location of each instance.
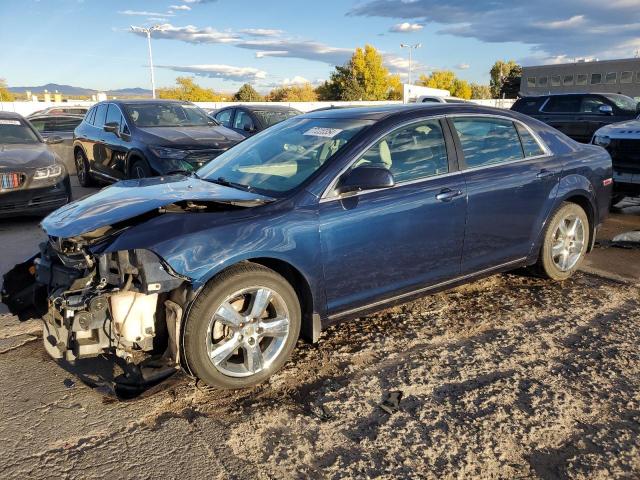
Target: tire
(140, 169)
(223, 333)
(562, 251)
(82, 170)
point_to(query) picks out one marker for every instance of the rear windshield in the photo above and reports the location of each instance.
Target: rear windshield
(14, 130)
(270, 117)
(167, 115)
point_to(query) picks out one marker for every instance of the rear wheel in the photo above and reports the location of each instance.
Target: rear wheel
(242, 327)
(139, 169)
(82, 170)
(565, 242)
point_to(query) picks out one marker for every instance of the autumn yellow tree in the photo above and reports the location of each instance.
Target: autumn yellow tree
(5, 94)
(363, 77)
(293, 93)
(188, 90)
(446, 80)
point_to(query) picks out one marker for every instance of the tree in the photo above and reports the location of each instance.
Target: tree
(293, 93)
(396, 90)
(188, 90)
(479, 91)
(447, 80)
(505, 79)
(247, 93)
(363, 77)
(5, 94)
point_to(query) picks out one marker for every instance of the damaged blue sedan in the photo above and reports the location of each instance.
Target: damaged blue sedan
(326, 216)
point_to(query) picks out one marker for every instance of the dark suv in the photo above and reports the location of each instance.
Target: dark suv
(579, 115)
(144, 138)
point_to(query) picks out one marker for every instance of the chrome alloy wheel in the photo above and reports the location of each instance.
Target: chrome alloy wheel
(568, 242)
(247, 332)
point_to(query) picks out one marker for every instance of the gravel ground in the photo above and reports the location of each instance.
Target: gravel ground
(509, 377)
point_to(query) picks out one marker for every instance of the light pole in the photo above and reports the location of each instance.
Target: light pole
(148, 31)
(411, 48)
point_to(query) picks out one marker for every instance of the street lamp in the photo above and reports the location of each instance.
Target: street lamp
(411, 48)
(148, 31)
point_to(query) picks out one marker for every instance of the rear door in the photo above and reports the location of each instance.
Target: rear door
(511, 178)
(113, 162)
(94, 141)
(383, 243)
(562, 112)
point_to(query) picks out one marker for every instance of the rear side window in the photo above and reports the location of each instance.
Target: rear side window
(530, 145)
(65, 124)
(243, 119)
(101, 113)
(563, 104)
(487, 141)
(224, 117)
(527, 105)
(411, 153)
(91, 115)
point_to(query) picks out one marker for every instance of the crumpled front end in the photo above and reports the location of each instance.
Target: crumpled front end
(125, 302)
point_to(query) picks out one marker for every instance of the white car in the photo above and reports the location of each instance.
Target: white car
(622, 141)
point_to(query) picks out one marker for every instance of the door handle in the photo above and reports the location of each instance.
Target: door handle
(544, 173)
(446, 195)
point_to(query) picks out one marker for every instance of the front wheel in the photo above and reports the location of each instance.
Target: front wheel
(82, 170)
(139, 169)
(242, 328)
(565, 242)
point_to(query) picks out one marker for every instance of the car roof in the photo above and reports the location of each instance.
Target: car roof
(388, 111)
(64, 115)
(11, 115)
(145, 101)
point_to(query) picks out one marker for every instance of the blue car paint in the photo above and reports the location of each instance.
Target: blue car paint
(367, 248)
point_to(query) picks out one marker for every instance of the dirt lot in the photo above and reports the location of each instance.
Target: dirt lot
(509, 377)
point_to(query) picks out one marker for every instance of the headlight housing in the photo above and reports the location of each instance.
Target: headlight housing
(602, 140)
(48, 172)
(165, 152)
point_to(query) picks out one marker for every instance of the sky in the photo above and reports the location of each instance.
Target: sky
(225, 43)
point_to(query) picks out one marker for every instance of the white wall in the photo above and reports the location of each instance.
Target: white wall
(25, 108)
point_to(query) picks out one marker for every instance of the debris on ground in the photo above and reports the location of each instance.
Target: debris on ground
(391, 401)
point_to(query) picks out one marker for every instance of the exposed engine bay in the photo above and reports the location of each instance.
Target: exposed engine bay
(124, 303)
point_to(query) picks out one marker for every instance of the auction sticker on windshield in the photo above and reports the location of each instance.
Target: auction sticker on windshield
(323, 132)
(9, 122)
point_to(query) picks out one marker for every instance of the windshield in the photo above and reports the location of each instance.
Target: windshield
(270, 117)
(14, 131)
(167, 115)
(623, 102)
(281, 158)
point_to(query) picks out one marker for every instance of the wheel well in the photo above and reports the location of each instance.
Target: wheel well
(132, 158)
(302, 289)
(585, 204)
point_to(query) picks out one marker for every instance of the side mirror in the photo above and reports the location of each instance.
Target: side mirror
(111, 127)
(366, 177)
(54, 139)
(606, 109)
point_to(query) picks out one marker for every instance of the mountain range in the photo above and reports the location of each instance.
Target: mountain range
(80, 91)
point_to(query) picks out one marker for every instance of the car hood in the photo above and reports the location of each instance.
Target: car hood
(131, 198)
(25, 156)
(217, 137)
(628, 129)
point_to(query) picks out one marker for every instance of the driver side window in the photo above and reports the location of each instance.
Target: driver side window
(410, 153)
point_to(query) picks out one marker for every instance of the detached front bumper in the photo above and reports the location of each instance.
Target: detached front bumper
(35, 200)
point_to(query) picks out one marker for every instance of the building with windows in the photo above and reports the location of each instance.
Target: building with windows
(607, 76)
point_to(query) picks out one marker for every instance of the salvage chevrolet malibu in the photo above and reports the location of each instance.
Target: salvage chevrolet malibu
(323, 217)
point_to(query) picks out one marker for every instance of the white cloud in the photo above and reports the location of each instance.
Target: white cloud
(463, 66)
(144, 13)
(297, 80)
(226, 72)
(193, 34)
(262, 32)
(185, 8)
(406, 27)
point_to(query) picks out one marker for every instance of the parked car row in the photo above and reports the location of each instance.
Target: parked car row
(221, 272)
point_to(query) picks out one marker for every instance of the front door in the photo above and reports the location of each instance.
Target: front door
(387, 242)
(511, 181)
